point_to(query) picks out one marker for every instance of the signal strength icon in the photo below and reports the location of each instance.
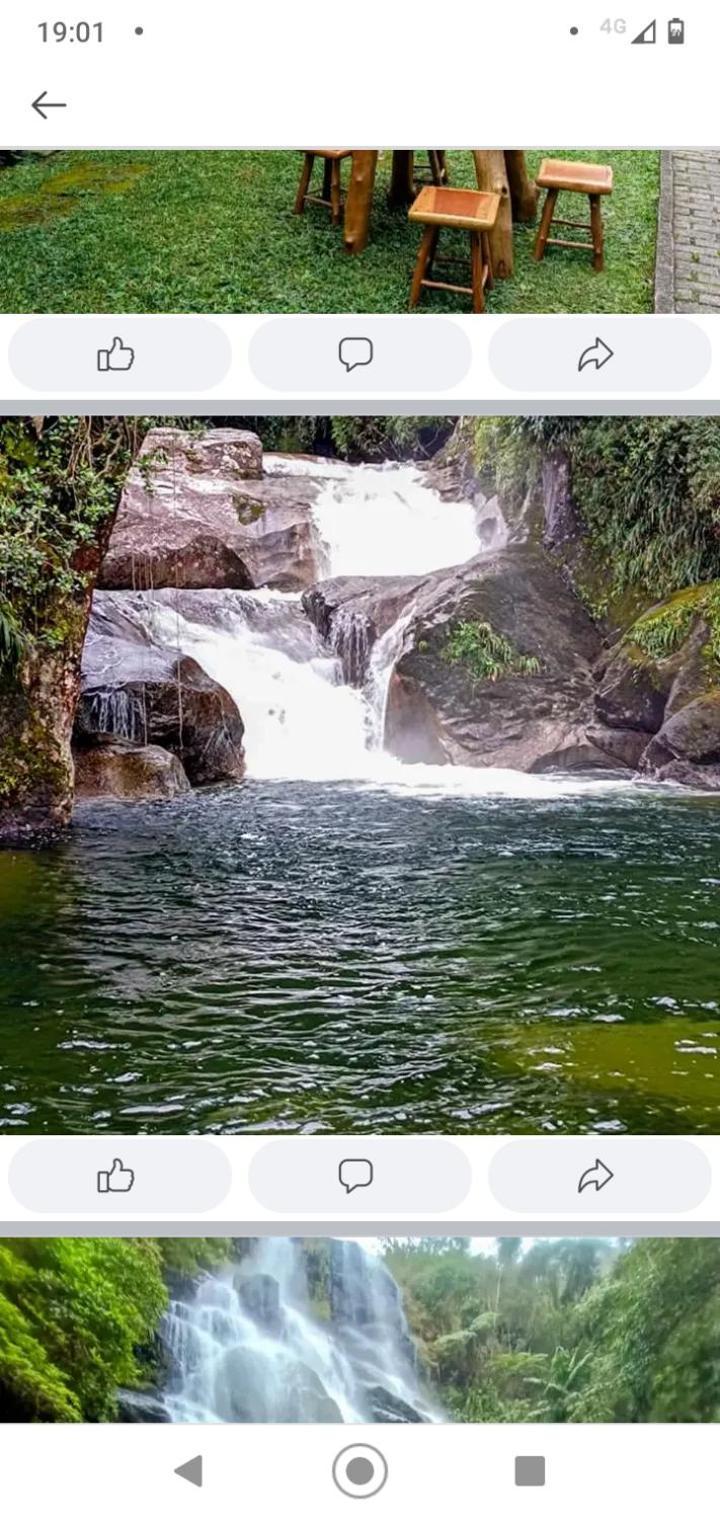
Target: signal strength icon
(648, 35)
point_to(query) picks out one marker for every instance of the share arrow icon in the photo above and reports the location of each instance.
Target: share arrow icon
(596, 1176)
(599, 355)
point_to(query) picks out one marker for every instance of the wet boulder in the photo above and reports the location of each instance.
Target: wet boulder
(138, 1407)
(494, 668)
(387, 1408)
(663, 678)
(136, 686)
(351, 612)
(127, 772)
(292, 1394)
(687, 748)
(260, 1298)
(198, 513)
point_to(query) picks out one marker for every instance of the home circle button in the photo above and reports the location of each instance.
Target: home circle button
(360, 1471)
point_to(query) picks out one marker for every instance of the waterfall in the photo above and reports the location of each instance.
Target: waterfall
(293, 1332)
(313, 709)
(385, 520)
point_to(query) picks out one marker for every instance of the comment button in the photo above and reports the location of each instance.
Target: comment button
(397, 1176)
(387, 354)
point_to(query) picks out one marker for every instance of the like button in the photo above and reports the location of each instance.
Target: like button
(119, 1179)
(120, 356)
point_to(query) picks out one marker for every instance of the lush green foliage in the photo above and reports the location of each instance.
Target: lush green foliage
(661, 630)
(78, 1316)
(367, 439)
(486, 654)
(569, 1330)
(647, 489)
(215, 231)
(59, 483)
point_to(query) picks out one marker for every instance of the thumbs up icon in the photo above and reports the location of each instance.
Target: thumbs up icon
(119, 1179)
(120, 356)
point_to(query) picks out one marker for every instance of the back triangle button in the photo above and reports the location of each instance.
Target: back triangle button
(191, 1471)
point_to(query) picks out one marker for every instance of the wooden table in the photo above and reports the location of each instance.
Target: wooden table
(502, 170)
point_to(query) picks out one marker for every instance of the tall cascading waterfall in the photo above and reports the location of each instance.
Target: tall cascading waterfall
(302, 721)
(294, 1332)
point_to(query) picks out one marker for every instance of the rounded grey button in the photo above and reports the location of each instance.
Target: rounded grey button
(152, 1175)
(103, 355)
(412, 1176)
(591, 355)
(614, 1176)
(360, 1471)
(343, 355)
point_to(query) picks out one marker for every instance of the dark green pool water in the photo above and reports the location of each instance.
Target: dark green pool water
(299, 957)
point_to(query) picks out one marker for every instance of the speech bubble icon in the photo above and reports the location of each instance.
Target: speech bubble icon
(354, 353)
(355, 1173)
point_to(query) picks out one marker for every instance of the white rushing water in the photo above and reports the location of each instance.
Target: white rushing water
(260, 1341)
(301, 720)
(385, 520)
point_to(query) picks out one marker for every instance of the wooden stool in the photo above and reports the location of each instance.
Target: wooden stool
(593, 180)
(332, 181)
(474, 211)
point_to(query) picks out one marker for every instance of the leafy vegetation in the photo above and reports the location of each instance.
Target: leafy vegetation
(647, 490)
(78, 1319)
(557, 1331)
(365, 439)
(208, 231)
(486, 654)
(568, 1330)
(60, 480)
(662, 630)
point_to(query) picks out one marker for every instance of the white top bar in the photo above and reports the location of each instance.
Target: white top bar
(224, 75)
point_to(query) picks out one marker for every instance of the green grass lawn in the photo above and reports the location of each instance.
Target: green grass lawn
(215, 231)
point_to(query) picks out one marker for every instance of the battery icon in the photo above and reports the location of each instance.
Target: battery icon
(676, 31)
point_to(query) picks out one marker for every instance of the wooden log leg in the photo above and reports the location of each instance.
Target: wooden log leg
(402, 181)
(491, 175)
(476, 259)
(437, 172)
(488, 263)
(304, 185)
(336, 192)
(598, 234)
(524, 194)
(427, 249)
(359, 200)
(545, 224)
(432, 250)
(327, 179)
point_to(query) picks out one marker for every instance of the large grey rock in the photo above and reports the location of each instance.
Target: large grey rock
(387, 1408)
(136, 687)
(295, 1395)
(439, 710)
(673, 697)
(198, 513)
(352, 611)
(260, 1298)
(135, 1407)
(128, 772)
(687, 748)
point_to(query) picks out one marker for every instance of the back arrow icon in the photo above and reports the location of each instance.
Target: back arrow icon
(599, 355)
(596, 1176)
(42, 104)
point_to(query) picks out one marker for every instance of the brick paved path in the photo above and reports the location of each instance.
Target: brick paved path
(688, 261)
